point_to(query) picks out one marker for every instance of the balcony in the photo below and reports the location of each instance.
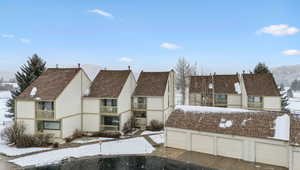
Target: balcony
(140, 106)
(108, 109)
(45, 114)
(255, 105)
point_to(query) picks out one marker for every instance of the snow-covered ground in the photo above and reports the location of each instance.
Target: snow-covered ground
(294, 103)
(4, 96)
(148, 132)
(130, 146)
(90, 140)
(159, 139)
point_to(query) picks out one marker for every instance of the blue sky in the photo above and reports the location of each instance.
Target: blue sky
(222, 36)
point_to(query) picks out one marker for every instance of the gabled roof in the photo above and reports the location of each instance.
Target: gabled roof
(151, 84)
(259, 124)
(108, 83)
(50, 84)
(221, 83)
(260, 85)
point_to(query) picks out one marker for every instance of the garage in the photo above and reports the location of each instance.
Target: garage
(202, 143)
(176, 139)
(230, 148)
(296, 162)
(271, 154)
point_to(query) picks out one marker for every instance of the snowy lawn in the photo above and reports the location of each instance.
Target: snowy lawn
(148, 132)
(206, 109)
(90, 140)
(130, 146)
(159, 139)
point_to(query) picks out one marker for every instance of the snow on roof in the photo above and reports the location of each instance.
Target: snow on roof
(282, 127)
(206, 109)
(33, 92)
(237, 88)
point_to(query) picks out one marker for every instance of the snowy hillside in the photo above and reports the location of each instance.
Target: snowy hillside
(294, 103)
(4, 96)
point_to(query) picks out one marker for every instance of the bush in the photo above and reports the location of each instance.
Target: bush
(15, 134)
(55, 145)
(156, 125)
(106, 134)
(77, 134)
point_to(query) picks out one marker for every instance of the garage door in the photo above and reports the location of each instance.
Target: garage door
(201, 143)
(176, 139)
(271, 154)
(296, 158)
(229, 148)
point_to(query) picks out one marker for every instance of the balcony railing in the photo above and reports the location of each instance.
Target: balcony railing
(139, 105)
(108, 109)
(45, 114)
(220, 102)
(109, 127)
(255, 105)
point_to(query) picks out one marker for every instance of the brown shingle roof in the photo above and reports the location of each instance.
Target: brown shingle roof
(50, 84)
(260, 85)
(222, 84)
(257, 124)
(108, 83)
(151, 84)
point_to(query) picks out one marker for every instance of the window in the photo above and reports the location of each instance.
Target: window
(51, 125)
(220, 98)
(45, 105)
(142, 100)
(255, 101)
(110, 123)
(109, 102)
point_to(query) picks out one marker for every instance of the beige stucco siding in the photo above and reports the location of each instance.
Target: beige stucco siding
(25, 109)
(234, 100)
(176, 139)
(91, 105)
(124, 117)
(296, 160)
(202, 143)
(69, 101)
(91, 122)
(229, 147)
(29, 124)
(86, 82)
(272, 154)
(154, 115)
(70, 124)
(124, 99)
(272, 103)
(154, 103)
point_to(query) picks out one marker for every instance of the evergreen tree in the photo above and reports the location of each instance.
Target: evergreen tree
(30, 71)
(284, 99)
(261, 68)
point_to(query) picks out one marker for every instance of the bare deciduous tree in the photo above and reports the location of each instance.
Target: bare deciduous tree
(184, 69)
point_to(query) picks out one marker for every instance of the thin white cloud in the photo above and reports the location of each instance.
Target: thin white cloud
(169, 46)
(125, 59)
(7, 36)
(100, 12)
(279, 30)
(25, 40)
(291, 52)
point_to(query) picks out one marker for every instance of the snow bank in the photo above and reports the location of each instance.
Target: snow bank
(90, 140)
(206, 109)
(148, 132)
(13, 151)
(137, 145)
(159, 139)
(282, 127)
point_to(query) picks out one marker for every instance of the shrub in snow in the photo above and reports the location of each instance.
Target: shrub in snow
(106, 134)
(76, 134)
(156, 125)
(15, 134)
(12, 133)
